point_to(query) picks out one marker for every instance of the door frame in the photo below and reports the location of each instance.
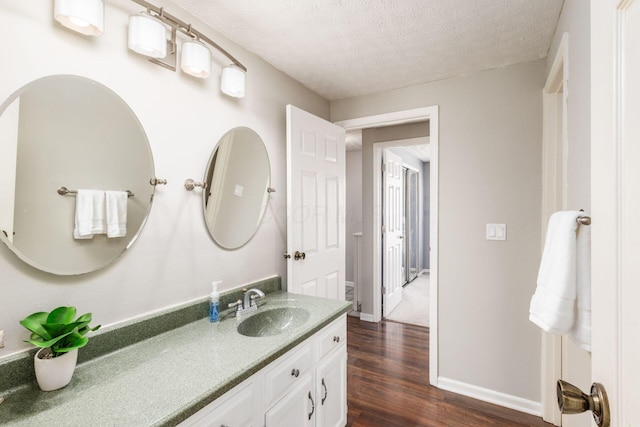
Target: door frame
(557, 78)
(430, 114)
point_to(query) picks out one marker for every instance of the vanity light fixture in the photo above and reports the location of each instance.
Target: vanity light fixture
(83, 16)
(232, 81)
(195, 57)
(147, 36)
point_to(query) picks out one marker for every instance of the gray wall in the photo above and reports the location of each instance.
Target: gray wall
(353, 184)
(490, 134)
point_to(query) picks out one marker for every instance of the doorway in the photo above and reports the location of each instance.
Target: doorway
(405, 299)
(371, 289)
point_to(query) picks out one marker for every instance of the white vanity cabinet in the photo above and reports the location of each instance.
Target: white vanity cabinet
(306, 387)
(318, 395)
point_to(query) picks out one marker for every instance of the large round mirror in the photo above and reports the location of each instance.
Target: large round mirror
(236, 192)
(73, 132)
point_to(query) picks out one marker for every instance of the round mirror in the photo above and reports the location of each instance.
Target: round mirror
(236, 192)
(73, 132)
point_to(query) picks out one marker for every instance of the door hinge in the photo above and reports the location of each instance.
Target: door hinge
(383, 167)
(384, 290)
(383, 229)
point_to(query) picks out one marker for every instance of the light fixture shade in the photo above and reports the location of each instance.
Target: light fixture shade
(147, 36)
(232, 81)
(195, 59)
(83, 16)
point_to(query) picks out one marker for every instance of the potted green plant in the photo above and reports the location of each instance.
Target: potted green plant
(59, 334)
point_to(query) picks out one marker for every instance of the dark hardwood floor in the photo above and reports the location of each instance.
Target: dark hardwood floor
(388, 384)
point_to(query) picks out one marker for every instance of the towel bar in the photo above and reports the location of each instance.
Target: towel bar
(64, 191)
(584, 220)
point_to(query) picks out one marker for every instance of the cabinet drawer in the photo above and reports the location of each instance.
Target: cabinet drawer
(287, 373)
(332, 336)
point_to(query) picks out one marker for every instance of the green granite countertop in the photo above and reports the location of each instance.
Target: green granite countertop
(165, 379)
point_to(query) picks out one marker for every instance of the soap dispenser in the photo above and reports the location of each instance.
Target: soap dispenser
(214, 303)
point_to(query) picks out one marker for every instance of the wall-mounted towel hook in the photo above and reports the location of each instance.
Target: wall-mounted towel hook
(190, 184)
(157, 181)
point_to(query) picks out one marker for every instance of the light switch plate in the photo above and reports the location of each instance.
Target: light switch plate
(496, 231)
(1, 339)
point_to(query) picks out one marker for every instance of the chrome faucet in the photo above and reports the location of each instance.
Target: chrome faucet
(249, 296)
(248, 304)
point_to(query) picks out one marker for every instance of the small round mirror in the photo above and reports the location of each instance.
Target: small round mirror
(68, 131)
(237, 181)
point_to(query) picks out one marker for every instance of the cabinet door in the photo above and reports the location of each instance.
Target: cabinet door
(235, 409)
(297, 408)
(331, 390)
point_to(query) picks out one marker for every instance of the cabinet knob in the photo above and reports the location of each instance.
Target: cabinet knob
(336, 339)
(295, 372)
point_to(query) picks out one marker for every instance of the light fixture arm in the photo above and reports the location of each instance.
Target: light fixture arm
(183, 27)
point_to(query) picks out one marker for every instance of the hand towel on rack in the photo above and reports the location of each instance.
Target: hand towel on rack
(90, 214)
(553, 306)
(116, 213)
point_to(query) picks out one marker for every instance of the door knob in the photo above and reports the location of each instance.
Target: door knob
(299, 255)
(571, 400)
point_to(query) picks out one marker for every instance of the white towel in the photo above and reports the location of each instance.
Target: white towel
(90, 214)
(561, 303)
(116, 213)
(581, 330)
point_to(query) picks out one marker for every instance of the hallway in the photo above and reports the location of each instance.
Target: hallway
(388, 384)
(414, 306)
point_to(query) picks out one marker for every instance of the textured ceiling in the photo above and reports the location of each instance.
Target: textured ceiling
(347, 48)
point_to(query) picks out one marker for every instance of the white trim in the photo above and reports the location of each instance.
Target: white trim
(367, 317)
(411, 168)
(387, 119)
(380, 120)
(555, 88)
(491, 396)
(425, 271)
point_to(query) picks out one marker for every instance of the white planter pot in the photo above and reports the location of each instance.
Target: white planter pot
(55, 373)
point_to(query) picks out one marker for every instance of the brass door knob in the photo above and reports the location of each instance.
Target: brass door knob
(571, 400)
(299, 255)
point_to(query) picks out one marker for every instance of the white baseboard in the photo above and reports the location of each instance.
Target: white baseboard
(366, 317)
(425, 271)
(348, 284)
(491, 396)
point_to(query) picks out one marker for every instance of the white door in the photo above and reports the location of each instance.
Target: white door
(615, 185)
(562, 358)
(393, 231)
(315, 205)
